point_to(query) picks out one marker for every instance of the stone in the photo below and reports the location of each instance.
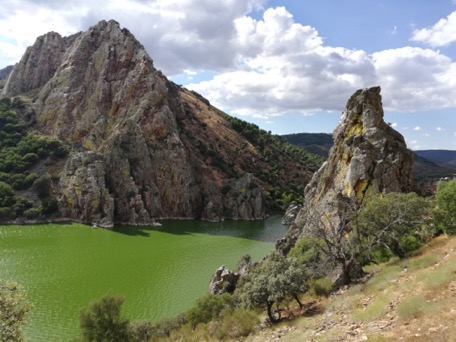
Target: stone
(223, 281)
(291, 213)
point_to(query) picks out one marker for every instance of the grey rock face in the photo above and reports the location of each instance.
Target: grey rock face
(37, 65)
(368, 155)
(84, 197)
(291, 213)
(223, 281)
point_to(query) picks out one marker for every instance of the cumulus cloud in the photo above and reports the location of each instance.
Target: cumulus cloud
(262, 67)
(417, 128)
(284, 66)
(441, 34)
(414, 78)
(440, 129)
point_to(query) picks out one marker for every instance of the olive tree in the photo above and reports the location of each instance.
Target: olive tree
(275, 280)
(13, 311)
(386, 221)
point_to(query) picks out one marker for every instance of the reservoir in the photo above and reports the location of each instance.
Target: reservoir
(160, 271)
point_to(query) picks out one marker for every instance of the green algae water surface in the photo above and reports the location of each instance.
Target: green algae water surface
(160, 271)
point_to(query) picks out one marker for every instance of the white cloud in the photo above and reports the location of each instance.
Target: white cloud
(413, 144)
(441, 34)
(263, 67)
(440, 129)
(417, 128)
(394, 124)
(415, 79)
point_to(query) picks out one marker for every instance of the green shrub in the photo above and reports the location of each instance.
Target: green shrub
(101, 321)
(141, 331)
(445, 212)
(236, 324)
(322, 287)
(13, 311)
(209, 308)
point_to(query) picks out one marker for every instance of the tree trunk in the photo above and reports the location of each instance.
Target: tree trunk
(271, 314)
(299, 302)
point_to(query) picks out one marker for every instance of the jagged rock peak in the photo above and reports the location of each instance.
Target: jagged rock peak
(368, 156)
(37, 65)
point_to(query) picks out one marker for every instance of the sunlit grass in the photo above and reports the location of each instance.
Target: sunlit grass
(423, 262)
(377, 308)
(412, 307)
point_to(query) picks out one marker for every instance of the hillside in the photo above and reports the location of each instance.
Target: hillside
(408, 300)
(140, 147)
(439, 156)
(318, 143)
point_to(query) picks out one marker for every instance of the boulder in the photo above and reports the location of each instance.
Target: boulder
(223, 281)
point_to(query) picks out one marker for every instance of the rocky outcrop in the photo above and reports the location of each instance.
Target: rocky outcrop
(148, 148)
(291, 213)
(37, 65)
(223, 281)
(84, 196)
(368, 156)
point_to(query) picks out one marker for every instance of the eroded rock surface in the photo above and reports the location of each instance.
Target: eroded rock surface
(368, 155)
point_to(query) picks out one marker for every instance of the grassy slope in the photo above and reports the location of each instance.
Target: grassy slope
(408, 300)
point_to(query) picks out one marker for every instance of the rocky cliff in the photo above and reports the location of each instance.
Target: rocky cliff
(368, 156)
(142, 147)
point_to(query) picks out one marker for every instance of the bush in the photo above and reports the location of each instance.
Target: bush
(102, 321)
(13, 311)
(236, 324)
(7, 197)
(445, 212)
(141, 331)
(209, 308)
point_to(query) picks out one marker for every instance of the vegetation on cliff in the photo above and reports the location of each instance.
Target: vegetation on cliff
(24, 154)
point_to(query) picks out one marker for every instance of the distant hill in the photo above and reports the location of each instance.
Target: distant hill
(318, 143)
(4, 73)
(439, 156)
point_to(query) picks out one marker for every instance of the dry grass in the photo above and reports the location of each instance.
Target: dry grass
(408, 300)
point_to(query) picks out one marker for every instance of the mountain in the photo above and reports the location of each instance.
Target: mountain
(140, 147)
(368, 156)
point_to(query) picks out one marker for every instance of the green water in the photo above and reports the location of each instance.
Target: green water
(159, 270)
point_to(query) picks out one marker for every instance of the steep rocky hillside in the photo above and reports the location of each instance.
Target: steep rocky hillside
(141, 147)
(403, 300)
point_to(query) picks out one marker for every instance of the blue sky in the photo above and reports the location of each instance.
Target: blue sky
(288, 66)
